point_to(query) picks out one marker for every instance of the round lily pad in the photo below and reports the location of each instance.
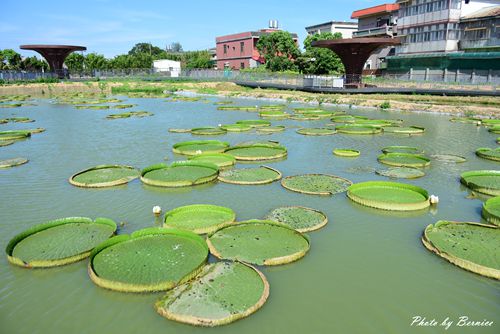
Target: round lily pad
(221, 293)
(448, 158)
(200, 146)
(483, 181)
(271, 129)
(402, 149)
(250, 176)
(465, 120)
(392, 196)
(199, 218)
(179, 174)
(401, 172)
(273, 114)
(257, 152)
(491, 210)
(92, 107)
(490, 121)
(58, 242)
(355, 129)
(177, 130)
(494, 129)
(130, 114)
(260, 242)
(208, 131)
(316, 131)
(489, 153)
(346, 118)
(6, 142)
(343, 152)
(104, 176)
(152, 259)
(14, 134)
(374, 122)
(412, 130)
(255, 123)
(299, 218)
(12, 162)
(316, 184)
(304, 117)
(471, 246)
(238, 108)
(219, 159)
(236, 127)
(404, 160)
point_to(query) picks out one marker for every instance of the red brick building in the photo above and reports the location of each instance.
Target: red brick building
(239, 51)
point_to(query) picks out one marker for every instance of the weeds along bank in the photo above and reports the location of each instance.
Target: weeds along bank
(455, 105)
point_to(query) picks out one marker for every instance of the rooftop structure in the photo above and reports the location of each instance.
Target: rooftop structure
(345, 28)
(54, 54)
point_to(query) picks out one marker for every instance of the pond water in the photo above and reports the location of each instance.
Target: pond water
(367, 270)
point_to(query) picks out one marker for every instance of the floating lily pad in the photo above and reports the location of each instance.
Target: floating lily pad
(491, 210)
(374, 122)
(12, 162)
(178, 130)
(401, 172)
(6, 142)
(355, 129)
(250, 176)
(316, 184)
(404, 160)
(299, 218)
(179, 174)
(58, 242)
(490, 121)
(16, 120)
(11, 105)
(344, 152)
(271, 129)
(494, 129)
(389, 195)
(130, 114)
(471, 246)
(483, 181)
(221, 293)
(199, 218)
(104, 176)
(255, 123)
(200, 146)
(122, 106)
(223, 102)
(448, 158)
(219, 159)
(346, 118)
(152, 259)
(402, 149)
(236, 127)
(14, 134)
(92, 107)
(489, 153)
(304, 117)
(316, 131)
(238, 108)
(412, 130)
(257, 152)
(273, 114)
(260, 242)
(473, 120)
(208, 131)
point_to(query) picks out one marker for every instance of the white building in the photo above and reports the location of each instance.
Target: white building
(168, 67)
(345, 28)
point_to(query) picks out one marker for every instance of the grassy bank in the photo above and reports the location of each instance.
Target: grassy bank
(463, 106)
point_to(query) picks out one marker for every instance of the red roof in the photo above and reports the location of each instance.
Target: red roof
(385, 8)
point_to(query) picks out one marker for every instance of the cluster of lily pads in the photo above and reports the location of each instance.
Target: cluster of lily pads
(9, 137)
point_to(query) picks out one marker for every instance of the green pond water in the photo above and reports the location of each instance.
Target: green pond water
(366, 272)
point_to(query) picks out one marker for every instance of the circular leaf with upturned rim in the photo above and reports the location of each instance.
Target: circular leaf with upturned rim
(194, 147)
(299, 218)
(316, 184)
(179, 174)
(104, 176)
(199, 218)
(483, 181)
(404, 160)
(250, 176)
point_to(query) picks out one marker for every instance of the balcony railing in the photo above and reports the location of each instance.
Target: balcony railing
(378, 31)
(486, 43)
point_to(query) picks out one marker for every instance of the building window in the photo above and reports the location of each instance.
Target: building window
(225, 49)
(242, 47)
(242, 66)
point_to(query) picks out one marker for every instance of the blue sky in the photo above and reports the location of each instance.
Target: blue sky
(113, 27)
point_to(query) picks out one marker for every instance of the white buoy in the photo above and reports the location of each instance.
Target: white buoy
(157, 210)
(434, 199)
(219, 125)
(198, 152)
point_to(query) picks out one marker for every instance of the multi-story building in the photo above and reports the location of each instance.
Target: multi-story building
(377, 21)
(345, 28)
(239, 51)
(480, 30)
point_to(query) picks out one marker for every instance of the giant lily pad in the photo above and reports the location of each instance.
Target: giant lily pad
(259, 242)
(411, 130)
(12, 162)
(221, 293)
(389, 195)
(257, 152)
(451, 158)
(104, 176)
(250, 176)
(199, 218)
(316, 184)
(316, 131)
(355, 129)
(179, 174)
(236, 127)
(58, 242)
(208, 131)
(254, 123)
(402, 149)
(483, 181)
(271, 129)
(273, 114)
(401, 172)
(219, 159)
(491, 210)
(14, 134)
(299, 218)
(194, 147)
(345, 152)
(404, 160)
(471, 246)
(489, 153)
(152, 259)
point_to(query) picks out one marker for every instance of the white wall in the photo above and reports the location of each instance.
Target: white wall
(167, 65)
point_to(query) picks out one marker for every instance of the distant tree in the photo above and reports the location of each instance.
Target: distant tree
(197, 59)
(11, 60)
(175, 47)
(146, 48)
(33, 64)
(74, 62)
(320, 60)
(94, 61)
(279, 51)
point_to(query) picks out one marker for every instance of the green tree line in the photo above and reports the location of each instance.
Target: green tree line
(11, 60)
